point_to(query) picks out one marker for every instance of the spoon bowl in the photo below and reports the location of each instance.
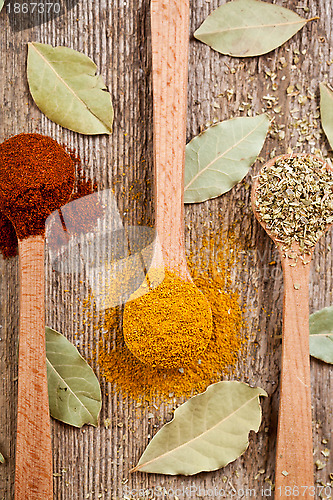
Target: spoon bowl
(295, 247)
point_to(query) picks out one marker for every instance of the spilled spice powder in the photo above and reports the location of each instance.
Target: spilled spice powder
(143, 382)
(8, 238)
(77, 217)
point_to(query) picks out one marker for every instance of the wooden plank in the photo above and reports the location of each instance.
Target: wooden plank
(95, 463)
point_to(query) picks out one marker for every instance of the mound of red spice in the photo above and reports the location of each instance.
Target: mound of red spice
(29, 199)
(82, 187)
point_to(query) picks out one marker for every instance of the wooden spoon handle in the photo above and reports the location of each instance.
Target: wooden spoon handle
(170, 39)
(33, 476)
(294, 455)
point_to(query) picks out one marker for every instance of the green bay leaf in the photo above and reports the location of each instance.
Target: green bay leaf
(321, 334)
(66, 88)
(207, 432)
(74, 391)
(245, 28)
(2, 459)
(221, 156)
(326, 111)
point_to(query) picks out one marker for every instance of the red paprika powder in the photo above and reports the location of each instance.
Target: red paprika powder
(34, 196)
(82, 187)
(8, 238)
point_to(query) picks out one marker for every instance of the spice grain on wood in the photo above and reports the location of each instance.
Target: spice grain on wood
(77, 217)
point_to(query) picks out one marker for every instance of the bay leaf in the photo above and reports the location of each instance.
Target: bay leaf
(245, 28)
(66, 88)
(321, 334)
(2, 459)
(326, 111)
(1, 4)
(74, 391)
(207, 432)
(221, 156)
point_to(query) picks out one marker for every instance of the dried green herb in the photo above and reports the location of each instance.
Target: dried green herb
(220, 157)
(295, 200)
(326, 111)
(74, 391)
(207, 432)
(321, 334)
(245, 28)
(66, 88)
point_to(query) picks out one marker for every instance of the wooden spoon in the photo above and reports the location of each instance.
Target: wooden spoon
(294, 452)
(170, 40)
(47, 184)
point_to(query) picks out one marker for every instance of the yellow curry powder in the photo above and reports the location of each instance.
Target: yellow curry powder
(169, 327)
(145, 382)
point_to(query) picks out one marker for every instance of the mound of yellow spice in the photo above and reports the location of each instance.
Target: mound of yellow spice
(170, 326)
(140, 381)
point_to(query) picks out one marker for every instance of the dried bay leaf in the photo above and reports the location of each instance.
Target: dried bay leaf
(326, 111)
(65, 87)
(321, 334)
(1, 4)
(74, 391)
(207, 432)
(2, 459)
(221, 156)
(245, 28)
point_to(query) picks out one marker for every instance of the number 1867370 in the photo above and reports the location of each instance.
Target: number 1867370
(33, 8)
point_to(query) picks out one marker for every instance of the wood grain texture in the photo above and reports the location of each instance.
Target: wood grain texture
(33, 471)
(170, 40)
(94, 463)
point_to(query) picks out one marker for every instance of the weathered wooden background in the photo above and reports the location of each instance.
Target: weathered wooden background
(94, 463)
